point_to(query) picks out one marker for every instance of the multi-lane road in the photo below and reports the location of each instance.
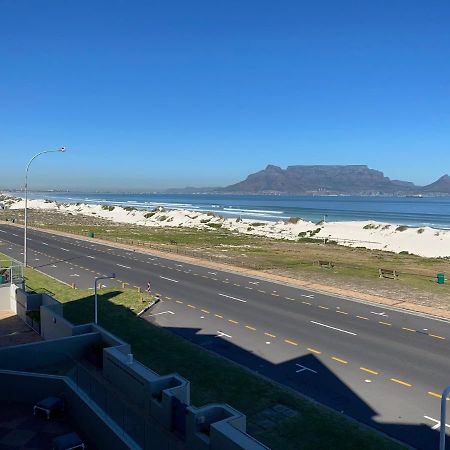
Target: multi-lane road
(382, 366)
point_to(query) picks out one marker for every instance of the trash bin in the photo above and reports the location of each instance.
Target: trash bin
(2, 279)
(91, 234)
(440, 278)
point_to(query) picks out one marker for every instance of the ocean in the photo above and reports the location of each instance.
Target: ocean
(412, 211)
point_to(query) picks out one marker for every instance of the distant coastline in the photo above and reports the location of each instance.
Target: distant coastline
(373, 234)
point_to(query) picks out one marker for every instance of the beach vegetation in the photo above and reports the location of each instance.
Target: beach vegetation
(215, 225)
(250, 228)
(205, 220)
(149, 214)
(314, 232)
(294, 220)
(401, 228)
(302, 234)
(371, 226)
(320, 222)
(258, 224)
(108, 207)
(162, 218)
(386, 227)
(130, 208)
(420, 231)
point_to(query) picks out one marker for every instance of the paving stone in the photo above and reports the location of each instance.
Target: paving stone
(17, 438)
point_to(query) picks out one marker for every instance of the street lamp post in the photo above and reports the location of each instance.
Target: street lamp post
(443, 419)
(62, 149)
(106, 277)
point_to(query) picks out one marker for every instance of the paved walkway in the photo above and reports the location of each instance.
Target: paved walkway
(14, 331)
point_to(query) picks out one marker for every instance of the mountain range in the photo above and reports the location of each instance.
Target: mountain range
(326, 180)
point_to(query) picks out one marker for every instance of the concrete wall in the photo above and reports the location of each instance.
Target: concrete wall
(43, 354)
(4, 297)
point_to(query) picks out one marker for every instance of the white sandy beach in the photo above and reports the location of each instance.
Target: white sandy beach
(427, 242)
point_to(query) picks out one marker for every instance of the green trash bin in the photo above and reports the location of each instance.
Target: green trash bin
(440, 278)
(2, 279)
(91, 234)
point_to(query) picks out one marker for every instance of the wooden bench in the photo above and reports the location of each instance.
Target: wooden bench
(327, 264)
(388, 273)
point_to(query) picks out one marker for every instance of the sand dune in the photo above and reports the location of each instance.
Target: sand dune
(428, 242)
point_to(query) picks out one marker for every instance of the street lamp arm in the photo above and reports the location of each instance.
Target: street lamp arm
(62, 149)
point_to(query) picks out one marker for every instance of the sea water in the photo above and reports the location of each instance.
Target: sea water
(412, 211)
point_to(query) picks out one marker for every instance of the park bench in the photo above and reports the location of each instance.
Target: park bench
(388, 273)
(327, 264)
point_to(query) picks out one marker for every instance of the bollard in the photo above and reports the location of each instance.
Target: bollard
(139, 290)
(73, 286)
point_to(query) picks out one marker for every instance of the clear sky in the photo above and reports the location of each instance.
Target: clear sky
(155, 94)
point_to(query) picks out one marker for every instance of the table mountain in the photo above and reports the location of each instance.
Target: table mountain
(351, 179)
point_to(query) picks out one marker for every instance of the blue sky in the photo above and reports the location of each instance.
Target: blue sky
(158, 94)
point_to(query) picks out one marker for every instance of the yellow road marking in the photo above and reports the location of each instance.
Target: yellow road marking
(232, 321)
(205, 311)
(385, 323)
(178, 301)
(365, 369)
(270, 335)
(306, 303)
(408, 329)
(342, 312)
(342, 361)
(313, 350)
(436, 336)
(290, 342)
(250, 328)
(433, 394)
(192, 306)
(323, 307)
(403, 383)
(219, 316)
(362, 318)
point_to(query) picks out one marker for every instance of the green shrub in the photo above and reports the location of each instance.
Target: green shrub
(205, 220)
(302, 234)
(108, 207)
(293, 220)
(386, 227)
(258, 224)
(149, 214)
(420, 230)
(162, 218)
(215, 225)
(314, 232)
(401, 228)
(370, 226)
(130, 208)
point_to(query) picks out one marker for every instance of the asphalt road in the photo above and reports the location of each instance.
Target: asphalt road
(382, 366)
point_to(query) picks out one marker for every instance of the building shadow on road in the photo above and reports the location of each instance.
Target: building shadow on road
(305, 374)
